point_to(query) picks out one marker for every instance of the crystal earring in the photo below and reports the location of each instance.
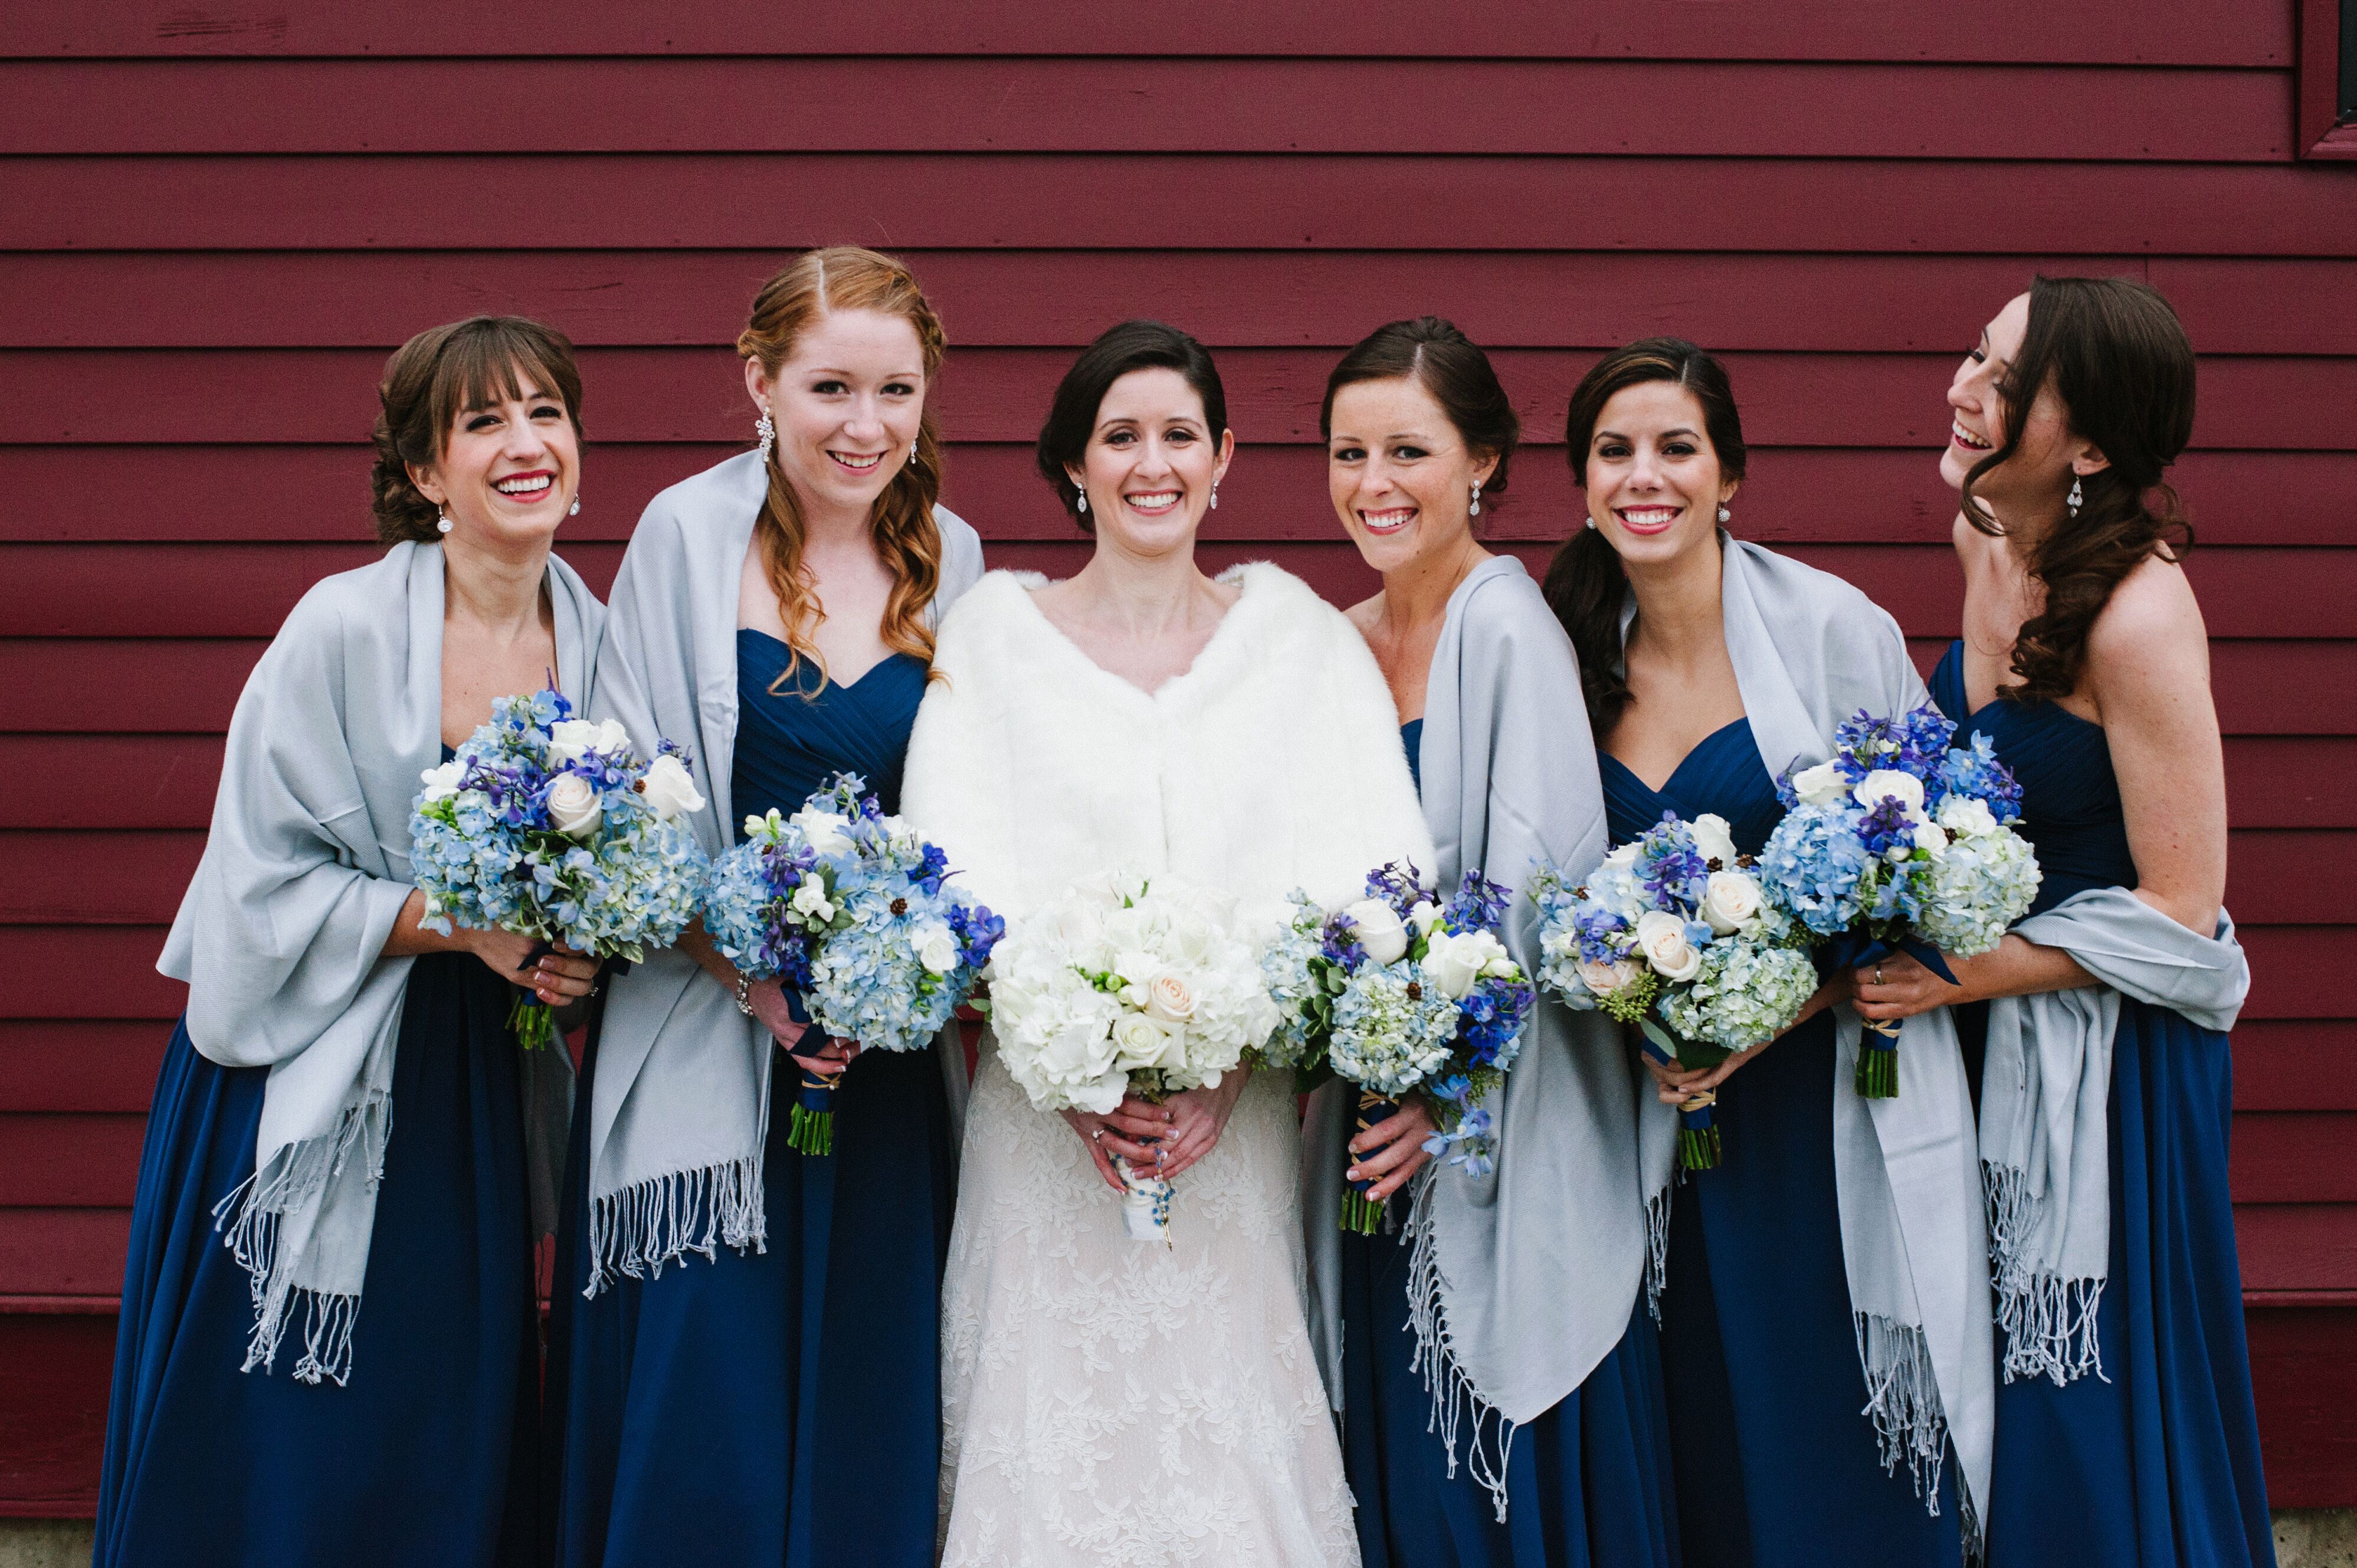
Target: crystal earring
(1215, 497)
(1724, 514)
(441, 521)
(1475, 509)
(767, 432)
(2078, 498)
(575, 510)
(1081, 498)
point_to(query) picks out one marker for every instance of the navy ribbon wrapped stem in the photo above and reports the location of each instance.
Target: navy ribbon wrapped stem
(1878, 1055)
(811, 1130)
(1698, 1145)
(1361, 1215)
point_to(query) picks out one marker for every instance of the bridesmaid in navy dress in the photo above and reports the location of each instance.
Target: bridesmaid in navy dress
(780, 1404)
(414, 1440)
(2085, 661)
(1418, 432)
(1774, 1463)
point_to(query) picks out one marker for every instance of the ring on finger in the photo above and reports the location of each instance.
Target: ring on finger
(1877, 975)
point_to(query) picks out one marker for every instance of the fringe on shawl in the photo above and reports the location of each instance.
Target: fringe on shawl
(251, 1216)
(1902, 1400)
(1455, 1400)
(2048, 1321)
(637, 1231)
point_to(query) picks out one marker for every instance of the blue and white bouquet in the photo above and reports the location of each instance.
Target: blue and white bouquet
(1899, 843)
(1403, 996)
(1128, 985)
(852, 912)
(1674, 933)
(551, 827)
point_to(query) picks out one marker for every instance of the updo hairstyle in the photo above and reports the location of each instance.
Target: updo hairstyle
(1586, 583)
(1450, 366)
(438, 375)
(1136, 345)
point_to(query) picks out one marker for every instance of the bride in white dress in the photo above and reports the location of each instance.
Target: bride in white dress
(1110, 1402)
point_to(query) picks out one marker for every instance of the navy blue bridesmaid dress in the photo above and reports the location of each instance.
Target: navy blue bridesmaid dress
(1587, 1484)
(2154, 1464)
(1774, 1462)
(429, 1453)
(781, 1407)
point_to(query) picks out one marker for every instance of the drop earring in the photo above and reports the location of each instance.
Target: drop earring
(2078, 497)
(575, 510)
(1475, 510)
(767, 432)
(441, 521)
(1215, 497)
(1081, 498)
(1723, 515)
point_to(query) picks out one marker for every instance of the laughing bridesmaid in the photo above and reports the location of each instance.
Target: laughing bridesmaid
(2125, 1437)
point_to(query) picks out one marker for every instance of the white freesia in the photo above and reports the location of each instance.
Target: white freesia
(1422, 917)
(1822, 785)
(1661, 938)
(1892, 784)
(668, 791)
(824, 831)
(1967, 816)
(573, 806)
(1378, 928)
(936, 946)
(442, 782)
(1731, 902)
(1714, 838)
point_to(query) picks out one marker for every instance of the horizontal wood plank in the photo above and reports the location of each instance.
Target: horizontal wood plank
(2303, 1247)
(2174, 32)
(2278, 1156)
(79, 1065)
(1862, 304)
(1216, 201)
(2303, 1377)
(1777, 109)
(63, 1252)
(54, 1373)
(282, 395)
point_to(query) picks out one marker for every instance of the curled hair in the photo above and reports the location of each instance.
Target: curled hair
(1136, 345)
(438, 375)
(1444, 362)
(812, 285)
(1585, 584)
(2122, 367)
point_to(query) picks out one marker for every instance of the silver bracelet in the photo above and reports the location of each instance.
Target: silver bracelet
(744, 994)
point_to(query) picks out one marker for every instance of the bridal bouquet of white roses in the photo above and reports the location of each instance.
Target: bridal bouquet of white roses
(853, 911)
(1898, 843)
(1127, 984)
(1674, 933)
(550, 827)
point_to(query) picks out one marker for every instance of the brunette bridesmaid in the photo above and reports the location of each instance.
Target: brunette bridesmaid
(1516, 1417)
(2125, 1437)
(329, 1344)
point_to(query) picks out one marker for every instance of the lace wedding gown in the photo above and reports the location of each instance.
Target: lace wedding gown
(1110, 1402)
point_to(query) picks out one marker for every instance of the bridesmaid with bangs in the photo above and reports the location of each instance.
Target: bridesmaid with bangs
(1514, 1419)
(1825, 1327)
(743, 1357)
(2125, 1434)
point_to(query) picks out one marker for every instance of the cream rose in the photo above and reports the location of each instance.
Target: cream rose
(1967, 816)
(573, 808)
(1892, 784)
(1604, 979)
(1820, 786)
(936, 947)
(1731, 902)
(442, 782)
(1378, 928)
(667, 789)
(1714, 838)
(1170, 999)
(1661, 938)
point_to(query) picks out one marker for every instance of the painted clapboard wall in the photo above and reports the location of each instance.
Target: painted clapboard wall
(217, 218)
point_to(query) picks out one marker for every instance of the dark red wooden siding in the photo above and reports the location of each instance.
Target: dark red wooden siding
(218, 219)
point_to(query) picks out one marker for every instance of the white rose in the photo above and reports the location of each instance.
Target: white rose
(1189, 935)
(1661, 938)
(1820, 786)
(811, 902)
(1378, 928)
(823, 831)
(1135, 966)
(936, 947)
(442, 782)
(1967, 816)
(1623, 857)
(668, 790)
(1169, 998)
(1141, 1042)
(571, 739)
(1932, 839)
(1422, 917)
(1892, 784)
(1452, 962)
(573, 808)
(1731, 902)
(1077, 925)
(1714, 838)
(1604, 979)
